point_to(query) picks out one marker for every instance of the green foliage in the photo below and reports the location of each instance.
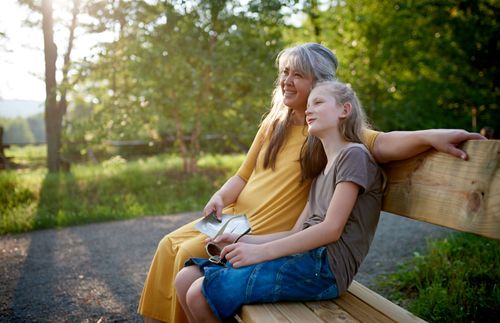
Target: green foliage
(176, 71)
(23, 130)
(416, 64)
(28, 156)
(458, 280)
(17, 131)
(116, 189)
(12, 195)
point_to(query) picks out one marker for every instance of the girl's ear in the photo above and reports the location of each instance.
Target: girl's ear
(346, 110)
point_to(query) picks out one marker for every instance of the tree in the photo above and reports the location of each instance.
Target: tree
(418, 64)
(181, 72)
(54, 108)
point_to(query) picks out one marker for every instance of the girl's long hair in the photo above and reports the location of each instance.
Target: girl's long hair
(310, 59)
(312, 156)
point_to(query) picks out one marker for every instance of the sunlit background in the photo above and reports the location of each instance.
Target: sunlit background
(161, 100)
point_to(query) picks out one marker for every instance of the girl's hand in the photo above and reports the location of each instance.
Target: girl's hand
(223, 240)
(244, 254)
(215, 204)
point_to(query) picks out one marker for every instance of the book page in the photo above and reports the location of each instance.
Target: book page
(231, 223)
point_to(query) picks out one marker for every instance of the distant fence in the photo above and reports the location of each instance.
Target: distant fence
(23, 144)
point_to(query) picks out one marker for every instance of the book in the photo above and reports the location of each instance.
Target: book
(229, 223)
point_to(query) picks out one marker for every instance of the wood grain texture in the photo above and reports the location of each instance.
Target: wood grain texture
(258, 313)
(330, 312)
(381, 304)
(438, 188)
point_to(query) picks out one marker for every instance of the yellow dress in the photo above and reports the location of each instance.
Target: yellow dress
(272, 200)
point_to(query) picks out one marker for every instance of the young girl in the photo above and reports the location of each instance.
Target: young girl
(319, 257)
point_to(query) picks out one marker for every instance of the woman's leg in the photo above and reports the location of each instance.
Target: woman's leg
(158, 299)
(183, 281)
(198, 305)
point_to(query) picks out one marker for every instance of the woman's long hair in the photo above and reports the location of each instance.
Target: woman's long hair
(312, 156)
(310, 59)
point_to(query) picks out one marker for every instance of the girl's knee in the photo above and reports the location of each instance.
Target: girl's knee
(181, 279)
(194, 295)
(186, 277)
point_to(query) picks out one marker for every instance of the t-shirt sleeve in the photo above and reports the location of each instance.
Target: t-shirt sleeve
(250, 161)
(355, 165)
(368, 138)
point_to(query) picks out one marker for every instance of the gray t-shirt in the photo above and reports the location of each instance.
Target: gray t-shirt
(353, 164)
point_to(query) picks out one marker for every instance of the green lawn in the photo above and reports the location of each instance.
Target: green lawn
(31, 199)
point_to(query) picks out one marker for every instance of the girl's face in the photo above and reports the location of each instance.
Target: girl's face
(295, 88)
(323, 112)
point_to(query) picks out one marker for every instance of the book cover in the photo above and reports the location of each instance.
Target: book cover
(230, 223)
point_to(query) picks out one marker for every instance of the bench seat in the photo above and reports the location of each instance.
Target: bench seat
(359, 304)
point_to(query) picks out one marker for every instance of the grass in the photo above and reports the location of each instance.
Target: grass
(458, 280)
(116, 189)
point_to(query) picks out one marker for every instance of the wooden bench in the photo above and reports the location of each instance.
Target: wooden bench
(432, 187)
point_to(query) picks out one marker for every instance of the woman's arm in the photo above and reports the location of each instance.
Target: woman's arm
(230, 191)
(398, 145)
(226, 195)
(328, 231)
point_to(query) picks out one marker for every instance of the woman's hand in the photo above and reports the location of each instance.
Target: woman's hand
(244, 254)
(215, 204)
(446, 141)
(399, 145)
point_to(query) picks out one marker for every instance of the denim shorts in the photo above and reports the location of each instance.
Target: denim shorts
(305, 276)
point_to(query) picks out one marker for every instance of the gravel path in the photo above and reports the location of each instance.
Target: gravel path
(94, 273)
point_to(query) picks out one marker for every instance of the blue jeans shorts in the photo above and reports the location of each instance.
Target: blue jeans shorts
(305, 276)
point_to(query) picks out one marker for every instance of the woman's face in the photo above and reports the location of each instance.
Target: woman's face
(295, 88)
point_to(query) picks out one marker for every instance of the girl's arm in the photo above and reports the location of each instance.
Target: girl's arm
(263, 238)
(398, 145)
(328, 231)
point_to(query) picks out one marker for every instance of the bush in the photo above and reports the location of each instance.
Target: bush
(12, 195)
(113, 190)
(457, 281)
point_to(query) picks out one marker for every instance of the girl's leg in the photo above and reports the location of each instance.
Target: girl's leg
(197, 303)
(183, 281)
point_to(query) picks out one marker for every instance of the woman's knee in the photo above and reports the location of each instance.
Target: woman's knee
(170, 249)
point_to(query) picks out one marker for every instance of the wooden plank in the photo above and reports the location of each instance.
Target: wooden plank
(330, 312)
(444, 190)
(361, 310)
(297, 312)
(257, 313)
(386, 307)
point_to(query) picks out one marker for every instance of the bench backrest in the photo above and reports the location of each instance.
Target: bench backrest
(438, 188)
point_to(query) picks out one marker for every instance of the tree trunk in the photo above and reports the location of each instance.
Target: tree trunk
(314, 16)
(179, 134)
(52, 124)
(63, 103)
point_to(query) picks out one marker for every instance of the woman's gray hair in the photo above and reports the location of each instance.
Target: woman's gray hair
(312, 60)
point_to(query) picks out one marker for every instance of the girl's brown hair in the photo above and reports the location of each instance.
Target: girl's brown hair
(312, 156)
